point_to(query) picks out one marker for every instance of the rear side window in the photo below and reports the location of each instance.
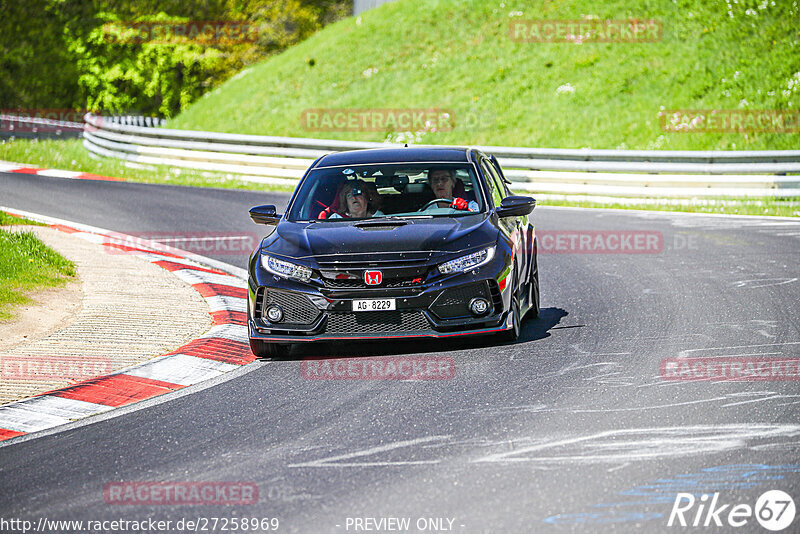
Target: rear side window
(493, 182)
(498, 174)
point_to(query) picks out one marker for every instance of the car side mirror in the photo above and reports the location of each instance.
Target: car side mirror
(516, 206)
(265, 214)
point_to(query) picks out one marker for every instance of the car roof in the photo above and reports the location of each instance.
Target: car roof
(397, 155)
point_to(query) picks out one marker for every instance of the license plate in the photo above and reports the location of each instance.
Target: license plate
(374, 305)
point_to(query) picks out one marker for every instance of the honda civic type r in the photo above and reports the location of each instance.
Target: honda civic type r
(394, 243)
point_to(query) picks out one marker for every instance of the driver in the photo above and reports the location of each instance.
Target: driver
(443, 181)
(355, 196)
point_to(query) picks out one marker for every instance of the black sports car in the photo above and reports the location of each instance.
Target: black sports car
(394, 243)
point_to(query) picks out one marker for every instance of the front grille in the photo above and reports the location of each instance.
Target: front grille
(454, 303)
(376, 322)
(373, 260)
(297, 308)
(343, 283)
(356, 283)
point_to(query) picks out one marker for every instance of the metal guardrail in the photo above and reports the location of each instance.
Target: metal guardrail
(136, 120)
(27, 127)
(359, 6)
(282, 160)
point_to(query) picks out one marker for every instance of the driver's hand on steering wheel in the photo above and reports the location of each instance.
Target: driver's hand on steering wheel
(460, 204)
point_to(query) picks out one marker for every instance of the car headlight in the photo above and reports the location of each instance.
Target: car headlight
(470, 261)
(285, 268)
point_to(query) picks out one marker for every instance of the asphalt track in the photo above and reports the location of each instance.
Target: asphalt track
(570, 429)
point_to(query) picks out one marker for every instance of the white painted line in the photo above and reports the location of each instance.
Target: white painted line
(232, 332)
(120, 240)
(155, 256)
(14, 417)
(97, 239)
(192, 277)
(643, 408)
(55, 173)
(202, 239)
(54, 220)
(773, 397)
(617, 468)
(181, 369)
(223, 303)
(333, 461)
(638, 444)
(61, 407)
(9, 167)
(686, 353)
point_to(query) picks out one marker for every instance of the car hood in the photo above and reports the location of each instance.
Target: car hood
(351, 238)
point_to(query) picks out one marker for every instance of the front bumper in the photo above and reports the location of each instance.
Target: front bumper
(435, 310)
(257, 335)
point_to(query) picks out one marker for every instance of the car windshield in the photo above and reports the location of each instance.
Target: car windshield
(387, 190)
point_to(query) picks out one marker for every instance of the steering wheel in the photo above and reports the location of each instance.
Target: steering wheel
(434, 201)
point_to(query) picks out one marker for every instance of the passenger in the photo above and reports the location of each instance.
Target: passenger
(443, 181)
(355, 202)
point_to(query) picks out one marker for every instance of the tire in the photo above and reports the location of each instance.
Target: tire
(513, 334)
(533, 311)
(269, 350)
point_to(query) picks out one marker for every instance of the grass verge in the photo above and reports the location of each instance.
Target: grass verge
(6, 219)
(727, 206)
(69, 154)
(27, 265)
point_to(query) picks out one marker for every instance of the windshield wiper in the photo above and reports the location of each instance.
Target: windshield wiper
(401, 218)
(377, 223)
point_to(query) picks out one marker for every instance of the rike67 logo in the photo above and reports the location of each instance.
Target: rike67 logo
(774, 510)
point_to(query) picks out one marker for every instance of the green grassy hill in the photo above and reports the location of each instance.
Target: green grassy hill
(457, 55)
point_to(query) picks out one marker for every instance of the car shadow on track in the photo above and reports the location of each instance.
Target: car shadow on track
(532, 330)
(539, 328)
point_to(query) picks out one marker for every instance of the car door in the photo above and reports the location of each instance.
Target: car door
(516, 228)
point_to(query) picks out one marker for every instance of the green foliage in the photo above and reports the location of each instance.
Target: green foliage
(27, 264)
(151, 78)
(457, 55)
(60, 54)
(36, 71)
